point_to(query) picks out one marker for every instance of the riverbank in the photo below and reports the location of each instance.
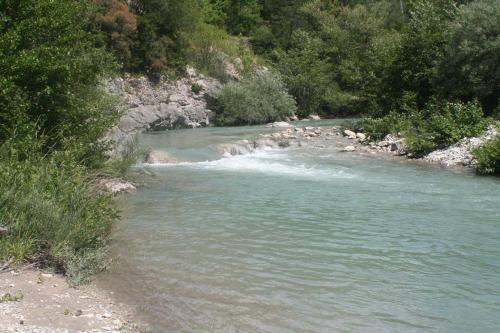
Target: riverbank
(35, 301)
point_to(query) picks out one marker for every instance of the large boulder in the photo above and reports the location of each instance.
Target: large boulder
(314, 117)
(361, 136)
(350, 134)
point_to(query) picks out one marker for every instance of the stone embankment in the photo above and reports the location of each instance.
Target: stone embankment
(166, 105)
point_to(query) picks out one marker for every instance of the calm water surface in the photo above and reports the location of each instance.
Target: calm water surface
(306, 241)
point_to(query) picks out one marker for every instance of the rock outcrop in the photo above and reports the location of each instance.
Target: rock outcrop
(165, 105)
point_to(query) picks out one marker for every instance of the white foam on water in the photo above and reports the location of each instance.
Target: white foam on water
(265, 161)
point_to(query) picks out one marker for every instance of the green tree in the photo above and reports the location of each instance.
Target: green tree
(50, 70)
(471, 68)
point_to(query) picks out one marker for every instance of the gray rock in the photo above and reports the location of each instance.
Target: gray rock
(158, 157)
(349, 149)
(166, 105)
(115, 185)
(361, 136)
(350, 134)
(383, 143)
(314, 117)
(279, 124)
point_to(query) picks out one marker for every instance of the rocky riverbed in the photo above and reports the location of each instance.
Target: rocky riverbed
(289, 135)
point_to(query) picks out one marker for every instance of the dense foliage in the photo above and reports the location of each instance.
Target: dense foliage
(436, 126)
(52, 115)
(488, 157)
(259, 99)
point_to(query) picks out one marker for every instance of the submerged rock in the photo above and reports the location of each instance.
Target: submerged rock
(158, 157)
(280, 124)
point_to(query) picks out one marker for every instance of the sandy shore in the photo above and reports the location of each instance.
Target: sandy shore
(41, 302)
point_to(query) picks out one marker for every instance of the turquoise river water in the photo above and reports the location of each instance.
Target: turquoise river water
(306, 240)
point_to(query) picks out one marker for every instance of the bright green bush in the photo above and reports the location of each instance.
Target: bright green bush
(256, 100)
(437, 126)
(441, 125)
(378, 128)
(488, 157)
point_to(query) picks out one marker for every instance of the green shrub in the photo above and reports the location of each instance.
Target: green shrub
(378, 128)
(437, 126)
(441, 125)
(256, 100)
(488, 157)
(196, 88)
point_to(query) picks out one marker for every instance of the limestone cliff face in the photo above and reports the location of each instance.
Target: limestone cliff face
(166, 105)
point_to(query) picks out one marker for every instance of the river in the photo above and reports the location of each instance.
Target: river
(305, 240)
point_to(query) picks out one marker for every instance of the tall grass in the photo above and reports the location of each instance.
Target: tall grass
(52, 215)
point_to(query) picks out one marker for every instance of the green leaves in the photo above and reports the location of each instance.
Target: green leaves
(488, 157)
(256, 100)
(51, 69)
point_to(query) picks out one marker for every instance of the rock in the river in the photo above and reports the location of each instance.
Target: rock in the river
(350, 134)
(294, 118)
(158, 157)
(314, 117)
(280, 124)
(349, 149)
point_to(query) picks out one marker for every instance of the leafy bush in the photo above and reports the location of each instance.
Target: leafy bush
(436, 126)
(378, 128)
(256, 100)
(441, 125)
(488, 157)
(50, 70)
